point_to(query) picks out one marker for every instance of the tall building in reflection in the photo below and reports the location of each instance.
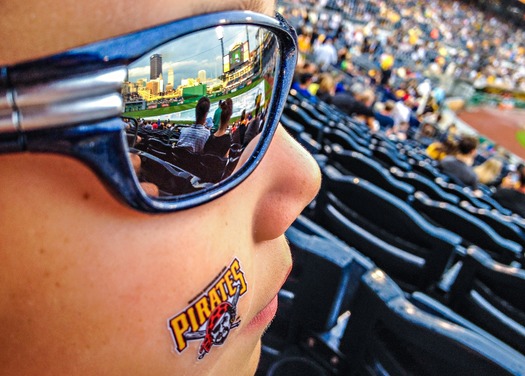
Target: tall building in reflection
(155, 66)
(201, 76)
(171, 77)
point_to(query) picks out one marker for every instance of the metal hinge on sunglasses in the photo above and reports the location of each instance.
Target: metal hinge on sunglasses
(69, 101)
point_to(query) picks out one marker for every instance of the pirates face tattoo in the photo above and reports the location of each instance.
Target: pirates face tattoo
(212, 314)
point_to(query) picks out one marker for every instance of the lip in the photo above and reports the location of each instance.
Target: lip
(266, 315)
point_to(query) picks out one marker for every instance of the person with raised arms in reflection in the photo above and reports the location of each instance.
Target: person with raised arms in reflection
(194, 137)
(219, 142)
(99, 276)
(240, 129)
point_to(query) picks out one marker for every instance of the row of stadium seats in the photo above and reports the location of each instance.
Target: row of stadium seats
(398, 270)
(388, 330)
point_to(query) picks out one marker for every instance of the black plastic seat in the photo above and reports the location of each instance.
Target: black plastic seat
(471, 229)
(312, 111)
(354, 163)
(208, 167)
(425, 185)
(491, 295)
(311, 125)
(325, 272)
(426, 169)
(333, 137)
(292, 126)
(463, 195)
(502, 224)
(388, 335)
(361, 139)
(389, 159)
(340, 267)
(384, 228)
(170, 179)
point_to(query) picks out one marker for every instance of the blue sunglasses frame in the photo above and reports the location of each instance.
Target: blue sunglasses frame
(71, 104)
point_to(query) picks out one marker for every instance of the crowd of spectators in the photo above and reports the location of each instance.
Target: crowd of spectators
(387, 69)
(421, 37)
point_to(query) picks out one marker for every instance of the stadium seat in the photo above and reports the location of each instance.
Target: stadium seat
(427, 170)
(490, 295)
(421, 183)
(389, 159)
(311, 125)
(168, 178)
(436, 308)
(349, 162)
(457, 190)
(327, 273)
(388, 335)
(470, 228)
(384, 228)
(502, 224)
(333, 137)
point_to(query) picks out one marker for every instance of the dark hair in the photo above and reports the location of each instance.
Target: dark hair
(520, 170)
(227, 109)
(467, 144)
(304, 78)
(203, 106)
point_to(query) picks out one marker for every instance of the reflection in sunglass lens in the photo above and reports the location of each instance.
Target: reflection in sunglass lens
(194, 104)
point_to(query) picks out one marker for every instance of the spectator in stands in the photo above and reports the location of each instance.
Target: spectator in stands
(346, 102)
(426, 134)
(513, 198)
(219, 142)
(304, 67)
(217, 117)
(325, 54)
(240, 129)
(253, 128)
(90, 282)
(459, 166)
(489, 171)
(303, 85)
(195, 136)
(440, 149)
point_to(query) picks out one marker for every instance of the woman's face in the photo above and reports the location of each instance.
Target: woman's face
(90, 286)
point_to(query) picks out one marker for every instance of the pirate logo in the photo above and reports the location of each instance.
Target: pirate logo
(212, 314)
(218, 327)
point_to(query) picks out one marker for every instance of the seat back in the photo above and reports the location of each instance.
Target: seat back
(385, 229)
(168, 178)
(503, 225)
(334, 136)
(325, 272)
(311, 125)
(491, 295)
(389, 159)
(427, 170)
(366, 168)
(388, 335)
(470, 228)
(425, 185)
(458, 191)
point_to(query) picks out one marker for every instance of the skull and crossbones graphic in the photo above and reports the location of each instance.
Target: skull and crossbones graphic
(221, 321)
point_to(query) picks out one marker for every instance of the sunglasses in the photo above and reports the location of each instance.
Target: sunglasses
(166, 116)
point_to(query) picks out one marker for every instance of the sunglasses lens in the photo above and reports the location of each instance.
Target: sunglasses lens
(194, 104)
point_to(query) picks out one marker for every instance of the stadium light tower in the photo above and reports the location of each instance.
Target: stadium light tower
(220, 37)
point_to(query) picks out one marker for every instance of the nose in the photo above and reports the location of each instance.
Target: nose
(289, 179)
